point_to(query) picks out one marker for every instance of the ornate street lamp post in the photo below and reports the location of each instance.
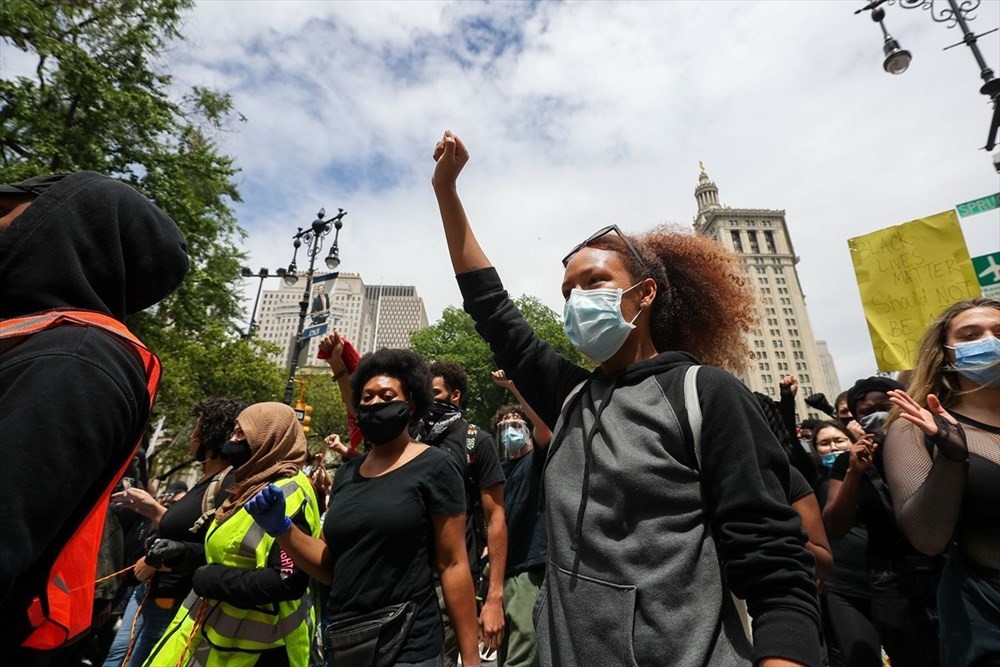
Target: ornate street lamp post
(956, 13)
(312, 237)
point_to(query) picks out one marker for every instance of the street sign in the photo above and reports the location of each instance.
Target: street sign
(988, 272)
(980, 205)
(315, 330)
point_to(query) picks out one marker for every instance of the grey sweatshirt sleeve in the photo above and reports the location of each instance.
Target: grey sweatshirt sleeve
(543, 376)
(758, 535)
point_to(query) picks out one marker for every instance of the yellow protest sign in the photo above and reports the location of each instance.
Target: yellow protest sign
(907, 274)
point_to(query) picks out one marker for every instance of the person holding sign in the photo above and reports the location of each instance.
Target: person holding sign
(942, 459)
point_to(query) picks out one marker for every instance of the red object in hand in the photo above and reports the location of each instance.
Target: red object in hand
(322, 354)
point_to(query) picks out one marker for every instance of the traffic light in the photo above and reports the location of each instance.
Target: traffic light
(303, 411)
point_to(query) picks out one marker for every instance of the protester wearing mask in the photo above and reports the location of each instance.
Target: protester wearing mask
(943, 465)
(486, 528)
(397, 516)
(903, 582)
(250, 606)
(846, 600)
(167, 569)
(644, 515)
(525, 440)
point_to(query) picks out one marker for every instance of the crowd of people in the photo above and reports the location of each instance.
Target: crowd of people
(646, 510)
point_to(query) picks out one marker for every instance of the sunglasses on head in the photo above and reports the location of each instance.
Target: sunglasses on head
(604, 232)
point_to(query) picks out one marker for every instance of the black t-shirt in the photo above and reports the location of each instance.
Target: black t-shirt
(381, 538)
(474, 449)
(887, 547)
(175, 525)
(850, 552)
(527, 540)
(798, 487)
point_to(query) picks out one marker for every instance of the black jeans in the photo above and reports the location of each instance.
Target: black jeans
(904, 611)
(851, 635)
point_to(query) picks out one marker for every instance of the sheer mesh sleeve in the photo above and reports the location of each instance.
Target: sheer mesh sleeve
(926, 491)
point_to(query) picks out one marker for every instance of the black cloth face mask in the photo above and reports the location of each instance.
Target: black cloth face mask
(236, 452)
(440, 411)
(383, 422)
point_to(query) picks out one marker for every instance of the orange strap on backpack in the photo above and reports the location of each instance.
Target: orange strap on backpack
(63, 611)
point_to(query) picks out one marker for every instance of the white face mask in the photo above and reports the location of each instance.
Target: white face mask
(594, 323)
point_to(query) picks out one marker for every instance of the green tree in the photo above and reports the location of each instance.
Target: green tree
(98, 98)
(454, 338)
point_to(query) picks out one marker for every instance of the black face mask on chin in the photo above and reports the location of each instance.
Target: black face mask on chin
(236, 452)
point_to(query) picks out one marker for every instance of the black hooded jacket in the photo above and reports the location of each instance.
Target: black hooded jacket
(73, 400)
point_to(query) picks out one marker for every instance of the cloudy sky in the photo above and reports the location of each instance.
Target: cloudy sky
(582, 114)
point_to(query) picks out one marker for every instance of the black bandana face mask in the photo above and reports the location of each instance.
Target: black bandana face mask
(440, 411)
(383, 422)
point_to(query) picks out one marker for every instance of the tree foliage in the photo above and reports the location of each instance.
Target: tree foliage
(454, 338)
(98, 99)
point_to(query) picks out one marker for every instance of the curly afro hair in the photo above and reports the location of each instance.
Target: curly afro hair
(704, 303)
(404, 365)
(453, 375)
(508, 410)
(216, 419)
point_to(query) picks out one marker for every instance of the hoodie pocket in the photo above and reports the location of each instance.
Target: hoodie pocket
(590, 621)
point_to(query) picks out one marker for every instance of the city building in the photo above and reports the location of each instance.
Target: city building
(399, 311)
(369, 316)
(784, 343)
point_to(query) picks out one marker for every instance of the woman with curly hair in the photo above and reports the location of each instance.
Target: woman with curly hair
(396, 517)
(942, 461)
(653, 520)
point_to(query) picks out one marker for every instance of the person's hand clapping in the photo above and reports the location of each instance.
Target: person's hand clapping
(140, 502)
(451, 156)
(936, 423)
(862, 454)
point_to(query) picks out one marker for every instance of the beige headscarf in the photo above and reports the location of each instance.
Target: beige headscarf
(277, 449)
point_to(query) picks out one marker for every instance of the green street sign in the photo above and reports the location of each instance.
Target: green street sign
(988, 272)
(980, 205)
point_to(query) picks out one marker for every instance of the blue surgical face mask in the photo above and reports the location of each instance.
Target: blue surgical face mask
(594, 323)
(979, 360)
(514, 438)
(828, 459)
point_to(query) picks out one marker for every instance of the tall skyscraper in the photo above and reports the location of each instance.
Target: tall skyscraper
(784, 343)
(398, 312)
(358, 311)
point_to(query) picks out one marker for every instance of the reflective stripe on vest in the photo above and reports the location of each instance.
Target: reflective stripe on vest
(239, 542)
(254, 536)
(63, 610)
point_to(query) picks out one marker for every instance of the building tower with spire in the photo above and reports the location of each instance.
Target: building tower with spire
(784, 343)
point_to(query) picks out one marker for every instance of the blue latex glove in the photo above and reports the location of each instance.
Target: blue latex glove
(267, 508)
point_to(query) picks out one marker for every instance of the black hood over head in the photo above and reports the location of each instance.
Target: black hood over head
(88, 241)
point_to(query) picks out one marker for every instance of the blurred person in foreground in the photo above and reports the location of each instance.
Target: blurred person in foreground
(78, 253)
(943, 466)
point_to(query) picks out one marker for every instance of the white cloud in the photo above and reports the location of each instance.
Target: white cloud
(579, 114)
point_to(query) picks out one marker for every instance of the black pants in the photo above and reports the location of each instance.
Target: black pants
(904, 611)
(851, 633)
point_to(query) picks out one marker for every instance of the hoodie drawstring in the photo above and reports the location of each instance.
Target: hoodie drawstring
(588, 455)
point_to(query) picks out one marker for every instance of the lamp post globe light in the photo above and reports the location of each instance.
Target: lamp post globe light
(312, 237)
(954, 13)
(261, 275)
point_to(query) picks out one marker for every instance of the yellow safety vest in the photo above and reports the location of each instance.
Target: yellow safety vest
(231, 636)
